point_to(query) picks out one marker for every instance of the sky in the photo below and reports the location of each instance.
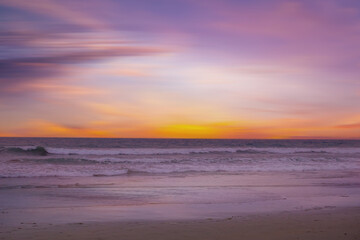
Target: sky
(180, 68)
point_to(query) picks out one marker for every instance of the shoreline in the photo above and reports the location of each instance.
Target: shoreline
(160, 198)
(317, 223)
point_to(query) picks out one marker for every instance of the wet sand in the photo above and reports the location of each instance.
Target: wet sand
(301, 205)
(317, 223)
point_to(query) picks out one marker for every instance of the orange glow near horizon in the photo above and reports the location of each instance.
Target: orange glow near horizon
(205, 131)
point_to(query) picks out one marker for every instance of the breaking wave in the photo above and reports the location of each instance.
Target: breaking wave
(103, 161)
(42, 151)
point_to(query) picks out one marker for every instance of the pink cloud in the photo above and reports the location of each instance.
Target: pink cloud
(349, 126)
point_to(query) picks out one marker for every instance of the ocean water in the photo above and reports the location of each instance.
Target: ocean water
(63, 180)
(69, 157)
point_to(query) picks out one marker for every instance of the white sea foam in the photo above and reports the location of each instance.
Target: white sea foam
(42, 168)
(104, 161)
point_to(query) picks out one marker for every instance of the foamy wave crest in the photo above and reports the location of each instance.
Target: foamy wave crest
(40, 151)
(63, 173)
(179, 166)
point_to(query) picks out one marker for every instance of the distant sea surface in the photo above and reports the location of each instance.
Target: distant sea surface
(97, 157)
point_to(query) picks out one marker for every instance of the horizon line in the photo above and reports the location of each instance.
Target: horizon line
(158, 138)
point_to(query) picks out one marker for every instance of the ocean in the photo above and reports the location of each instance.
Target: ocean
(65, 180)
(97, 157)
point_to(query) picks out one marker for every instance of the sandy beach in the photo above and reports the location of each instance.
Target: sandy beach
(318, 223)
(295, 206)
